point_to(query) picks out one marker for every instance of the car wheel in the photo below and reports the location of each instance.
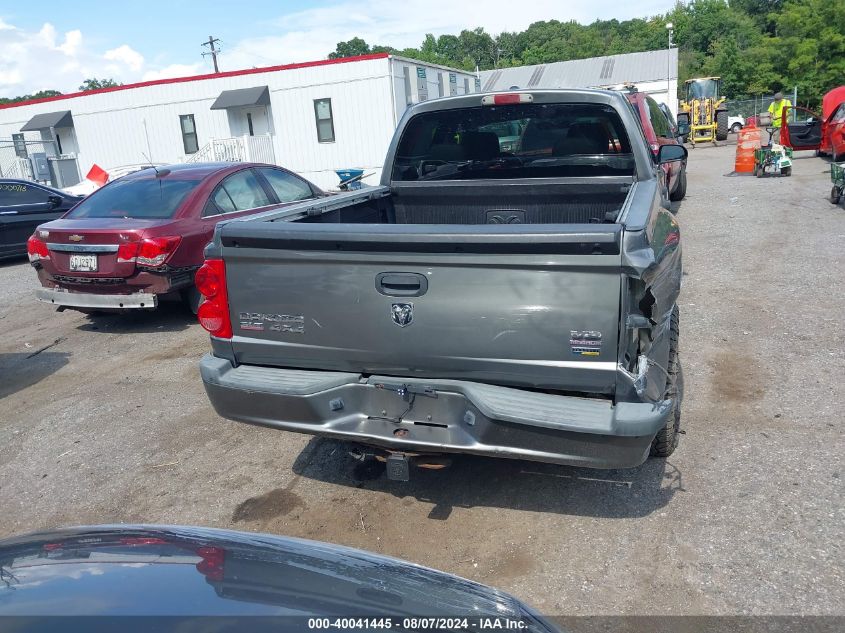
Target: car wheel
(835, 195)
(735, 128)
(786, 171)
(667, 438)
(681, 189)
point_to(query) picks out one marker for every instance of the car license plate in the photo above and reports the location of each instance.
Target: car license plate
(83, 263)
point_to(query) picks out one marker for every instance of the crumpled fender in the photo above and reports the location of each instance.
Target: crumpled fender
(652, 261)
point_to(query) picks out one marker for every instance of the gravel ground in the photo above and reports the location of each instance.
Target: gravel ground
(104, 419)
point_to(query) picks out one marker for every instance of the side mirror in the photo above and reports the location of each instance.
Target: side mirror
(683, 128)
(54, 201)
(671, 154)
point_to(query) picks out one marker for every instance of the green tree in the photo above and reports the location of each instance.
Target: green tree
(41, 94)
(96, 84)
(352, 48)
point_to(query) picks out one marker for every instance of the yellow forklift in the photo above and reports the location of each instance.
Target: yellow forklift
(704, 110)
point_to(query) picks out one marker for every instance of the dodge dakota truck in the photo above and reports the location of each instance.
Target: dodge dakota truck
(515, 304)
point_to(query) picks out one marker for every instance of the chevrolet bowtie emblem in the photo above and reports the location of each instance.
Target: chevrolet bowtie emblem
(75, 238)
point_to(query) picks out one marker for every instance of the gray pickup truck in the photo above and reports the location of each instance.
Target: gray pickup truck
(515, 303)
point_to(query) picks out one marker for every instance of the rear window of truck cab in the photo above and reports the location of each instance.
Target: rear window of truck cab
(529, 140)
(137, 198)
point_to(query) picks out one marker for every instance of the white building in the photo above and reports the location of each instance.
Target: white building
(312, 118)
(653, 72)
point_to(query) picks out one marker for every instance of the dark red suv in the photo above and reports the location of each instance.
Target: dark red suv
(140, 239)
(660, 130)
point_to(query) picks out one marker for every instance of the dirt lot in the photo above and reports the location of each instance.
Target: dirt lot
(104, 419)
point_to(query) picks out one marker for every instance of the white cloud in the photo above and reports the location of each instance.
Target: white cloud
(48, 60)
(72, 43)
(174, 70)
(127, 55)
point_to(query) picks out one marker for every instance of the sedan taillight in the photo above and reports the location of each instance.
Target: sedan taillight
(150, 253)
(36, 249)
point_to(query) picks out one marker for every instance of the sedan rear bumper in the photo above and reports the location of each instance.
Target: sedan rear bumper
(437, 415)
(138, 300)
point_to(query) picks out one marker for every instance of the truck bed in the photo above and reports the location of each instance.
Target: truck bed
(562, 201)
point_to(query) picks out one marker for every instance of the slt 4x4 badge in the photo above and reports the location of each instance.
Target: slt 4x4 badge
(257, 322)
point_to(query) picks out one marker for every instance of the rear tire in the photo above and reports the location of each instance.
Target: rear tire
(722, 126)
(786, 171)
(835, 195)
(666, 440)
(681, 190)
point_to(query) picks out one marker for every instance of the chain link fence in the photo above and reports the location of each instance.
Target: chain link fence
(752, 107)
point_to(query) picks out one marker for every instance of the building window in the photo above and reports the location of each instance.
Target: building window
(325, 123)
(249, 123)
(466, 85)
(189, 133)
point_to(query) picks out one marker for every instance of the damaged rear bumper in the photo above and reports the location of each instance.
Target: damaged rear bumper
(58, 297)
(437, 416)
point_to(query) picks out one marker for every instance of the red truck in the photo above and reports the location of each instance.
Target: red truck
(140, 239)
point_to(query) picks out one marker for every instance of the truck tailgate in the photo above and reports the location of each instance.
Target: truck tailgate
(517, 305)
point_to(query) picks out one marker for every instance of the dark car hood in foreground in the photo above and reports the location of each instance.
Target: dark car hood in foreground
(185, 571)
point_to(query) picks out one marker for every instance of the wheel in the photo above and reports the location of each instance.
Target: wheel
(735, 128)
(786, 171)
(756, 169)
(760, 171)
(681, 189)
(667, 438)
(835, 195)
(721, 125)
(192, 298)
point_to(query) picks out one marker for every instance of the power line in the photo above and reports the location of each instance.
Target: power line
(213, 51)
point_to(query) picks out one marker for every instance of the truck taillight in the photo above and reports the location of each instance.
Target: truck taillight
(213, 314)
(151, 252)
(36, 249)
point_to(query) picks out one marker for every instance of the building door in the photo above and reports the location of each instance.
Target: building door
(252, 121)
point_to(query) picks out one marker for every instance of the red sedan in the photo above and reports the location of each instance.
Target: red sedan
(824, 133)
(140, 239)
(660, 130)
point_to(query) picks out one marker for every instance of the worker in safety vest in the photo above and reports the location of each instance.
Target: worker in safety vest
(776, 109)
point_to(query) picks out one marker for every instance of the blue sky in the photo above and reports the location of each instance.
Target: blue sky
(60, 43)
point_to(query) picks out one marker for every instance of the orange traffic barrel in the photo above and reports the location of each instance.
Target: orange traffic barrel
(747, 141)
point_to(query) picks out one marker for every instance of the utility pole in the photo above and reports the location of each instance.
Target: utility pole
(213, 51)
(672, 99)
